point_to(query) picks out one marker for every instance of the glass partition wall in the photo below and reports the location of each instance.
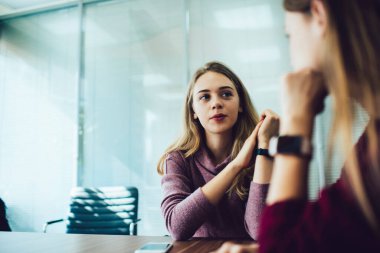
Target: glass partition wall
(38, 116)
(91, 94)
(135, 80)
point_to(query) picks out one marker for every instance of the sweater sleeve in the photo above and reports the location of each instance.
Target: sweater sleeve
(333, 223)
(255, 205)
(184, 209)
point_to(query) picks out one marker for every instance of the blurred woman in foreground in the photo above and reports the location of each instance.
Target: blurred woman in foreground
(335, 49)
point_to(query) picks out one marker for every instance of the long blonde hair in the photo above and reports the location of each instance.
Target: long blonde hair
(351, 66)
(193, 133)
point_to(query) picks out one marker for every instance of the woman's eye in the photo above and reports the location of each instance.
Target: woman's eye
(227, 94)
(204, 97)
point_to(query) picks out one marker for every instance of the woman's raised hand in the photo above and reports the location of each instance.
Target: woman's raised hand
(302, 98)
(244, 157)
(269, 128)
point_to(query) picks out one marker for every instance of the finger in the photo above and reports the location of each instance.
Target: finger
(224, 248)
(254, 247)
(262, 115)
(250, 143)
(231, 248)
(269, 114)
(237, 249)
(256, 130)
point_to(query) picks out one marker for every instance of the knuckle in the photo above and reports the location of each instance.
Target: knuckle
(227, 244)
(236, 249)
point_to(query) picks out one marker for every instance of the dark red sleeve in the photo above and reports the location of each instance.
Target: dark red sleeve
(333, 223)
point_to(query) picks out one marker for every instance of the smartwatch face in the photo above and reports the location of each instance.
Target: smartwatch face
(289, 144)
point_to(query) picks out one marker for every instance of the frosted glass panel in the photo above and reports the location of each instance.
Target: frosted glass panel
(135, 83)
(137, 58)
(38, 111)
(246, 35)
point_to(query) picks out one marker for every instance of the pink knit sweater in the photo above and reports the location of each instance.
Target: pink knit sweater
(187, 211)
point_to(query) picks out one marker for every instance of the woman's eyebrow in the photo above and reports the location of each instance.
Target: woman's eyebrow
(205, 90)
(220, 88)
(225, 87)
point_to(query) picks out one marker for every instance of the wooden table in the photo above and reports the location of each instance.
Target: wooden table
(20, 242)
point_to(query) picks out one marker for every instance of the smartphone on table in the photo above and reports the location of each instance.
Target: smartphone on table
(154, 247)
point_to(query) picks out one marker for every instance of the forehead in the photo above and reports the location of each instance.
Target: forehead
(212, 81)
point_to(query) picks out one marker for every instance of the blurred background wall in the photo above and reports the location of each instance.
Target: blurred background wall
(91, 93)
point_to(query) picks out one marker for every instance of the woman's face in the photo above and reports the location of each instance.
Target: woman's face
(304, 40)
(215, 103)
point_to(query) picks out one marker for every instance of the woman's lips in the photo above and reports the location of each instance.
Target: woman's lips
(218, 117)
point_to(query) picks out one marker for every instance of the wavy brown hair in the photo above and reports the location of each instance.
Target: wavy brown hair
(351, 66)
(193, 133)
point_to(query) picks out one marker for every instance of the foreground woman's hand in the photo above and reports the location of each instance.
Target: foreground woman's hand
(229, 247)
(302, 98)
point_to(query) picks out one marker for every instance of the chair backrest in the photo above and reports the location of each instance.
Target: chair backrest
(104, 210)
(4, 226)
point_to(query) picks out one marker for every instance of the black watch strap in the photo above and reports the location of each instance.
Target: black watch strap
(263, 151)
(291, 145)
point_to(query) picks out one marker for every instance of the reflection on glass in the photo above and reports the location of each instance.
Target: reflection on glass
(134, 84)
(38, 116)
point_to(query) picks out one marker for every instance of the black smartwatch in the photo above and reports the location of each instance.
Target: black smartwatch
(263, 152)
(291, 145)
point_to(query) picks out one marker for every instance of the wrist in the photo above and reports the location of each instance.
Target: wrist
(297, 125)
(263, 152)
(291, 145)
(263, 144)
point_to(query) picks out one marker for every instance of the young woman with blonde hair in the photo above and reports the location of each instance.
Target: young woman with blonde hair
(335, 49)
(208, 171)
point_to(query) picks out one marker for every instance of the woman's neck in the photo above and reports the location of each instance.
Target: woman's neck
(219, 146)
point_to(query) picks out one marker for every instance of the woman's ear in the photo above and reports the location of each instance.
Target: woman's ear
(240, 109)
(195, 116)
(319, 16)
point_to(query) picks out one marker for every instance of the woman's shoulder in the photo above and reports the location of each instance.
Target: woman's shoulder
(176, 155)
(176, 162)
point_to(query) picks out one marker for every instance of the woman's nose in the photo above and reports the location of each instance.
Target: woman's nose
(217, 104)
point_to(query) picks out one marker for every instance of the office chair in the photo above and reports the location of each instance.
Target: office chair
(4, 225)
(104, 210)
